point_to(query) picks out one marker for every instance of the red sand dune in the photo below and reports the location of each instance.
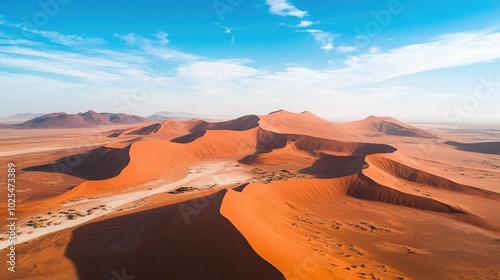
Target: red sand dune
(373, 126)
(359, 217)
(207, 246)
(492, 148)
(410, 174)
(98, 164)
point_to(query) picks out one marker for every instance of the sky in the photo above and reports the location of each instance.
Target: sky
(337, 59)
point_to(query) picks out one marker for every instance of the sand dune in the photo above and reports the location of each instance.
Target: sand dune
(333, 166)
(410, 174)
(304, 123)
(99, 164)
(492, 148)
(373, 126)
(208, 247)
(239, 124)
(323, 201)
(365, 188)
(284, 122)
(309, 124)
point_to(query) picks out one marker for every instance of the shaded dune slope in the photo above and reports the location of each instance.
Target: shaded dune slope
(240, 139)
(366, 188)
(254, 213)
(411, 174)
(152, 159)
(491, 148)
(98, 164)
(331, 166)
(163, 244)
(268, 141)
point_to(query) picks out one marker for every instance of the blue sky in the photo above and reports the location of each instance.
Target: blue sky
(339, 59)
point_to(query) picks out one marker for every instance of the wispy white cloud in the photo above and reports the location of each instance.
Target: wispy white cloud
(325, 39)
(162, 38)
(227, 30)
(56, 37)
(345, 49)
(215, 71)
(444, 52)
(90, 67)
(284, 8)
(155, 47)
(306, 23)
(68, 40)
(129, 38)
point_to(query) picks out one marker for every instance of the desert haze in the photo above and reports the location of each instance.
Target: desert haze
(278, 196)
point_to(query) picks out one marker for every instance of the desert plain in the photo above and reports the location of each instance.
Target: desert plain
(278, 196)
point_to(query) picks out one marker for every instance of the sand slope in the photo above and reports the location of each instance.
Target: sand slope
(361, 209)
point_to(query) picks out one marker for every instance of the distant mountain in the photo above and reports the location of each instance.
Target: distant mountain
(23, 116)
(161, 116)
(90, 118)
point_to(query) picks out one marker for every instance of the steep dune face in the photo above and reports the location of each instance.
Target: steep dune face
(160, 242)
(167, 128)
(98, 164)
(239, 124)
(491, 148)
(268, 141)
(189, 137)
(262, 213)
(145, 130)
(410, 174)
(332, 166)
(365, 188)
(153, 159)
(346, 148)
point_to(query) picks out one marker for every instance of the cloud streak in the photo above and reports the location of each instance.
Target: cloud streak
(325, 39)
(284, 8)
(155, 47)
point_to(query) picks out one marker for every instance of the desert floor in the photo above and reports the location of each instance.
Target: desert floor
(238, 201)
